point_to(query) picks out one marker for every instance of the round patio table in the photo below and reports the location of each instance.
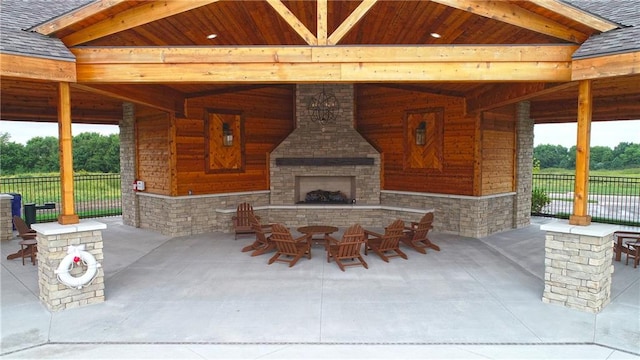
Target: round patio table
(317, 229)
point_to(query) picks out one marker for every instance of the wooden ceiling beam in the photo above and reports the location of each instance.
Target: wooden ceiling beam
(75, 16)
(140, 15)
(351, 21)
(578, 15)
(294, 22)
(605, 108)
(515, 15)
(157, 97)
(500, 95)
(27, 67)
(324, 54)
(606, 66)
(319, 72)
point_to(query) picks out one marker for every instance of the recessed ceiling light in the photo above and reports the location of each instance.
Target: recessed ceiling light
(436, 35)
(212, 36)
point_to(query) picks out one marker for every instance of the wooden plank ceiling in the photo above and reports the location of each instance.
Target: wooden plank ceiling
(109, 26)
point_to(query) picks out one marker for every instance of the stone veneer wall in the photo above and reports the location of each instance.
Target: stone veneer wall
(311, 140)
(53, 242)
(464, 215)
(524, 166)
(6, 220)
(130, 214)
(578, 266)
(188, 215)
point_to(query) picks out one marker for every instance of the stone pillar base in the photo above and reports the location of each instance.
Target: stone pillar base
(53, 241)
(578, 265)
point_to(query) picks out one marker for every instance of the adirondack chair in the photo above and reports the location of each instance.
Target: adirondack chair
(415, 236)
(28, 244)
(346, 249)
(292, 249)
(241, 224)
(382, 244)
(263, 242)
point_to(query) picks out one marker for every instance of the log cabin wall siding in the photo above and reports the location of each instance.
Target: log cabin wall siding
(268, 118)
(380, 113)
(498, 152)
(154, 158)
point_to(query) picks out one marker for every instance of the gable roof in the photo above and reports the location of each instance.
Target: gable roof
(17, 16)
(621, 40)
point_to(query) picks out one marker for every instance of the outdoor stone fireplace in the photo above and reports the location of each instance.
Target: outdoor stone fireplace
(333, 157)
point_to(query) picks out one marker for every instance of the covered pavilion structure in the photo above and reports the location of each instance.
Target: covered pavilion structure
(432, 107)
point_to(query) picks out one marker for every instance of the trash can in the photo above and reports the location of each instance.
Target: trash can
(16, 205)
(30, 214)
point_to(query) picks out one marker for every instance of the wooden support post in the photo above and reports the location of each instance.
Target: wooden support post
(581, 188)
(67, 215)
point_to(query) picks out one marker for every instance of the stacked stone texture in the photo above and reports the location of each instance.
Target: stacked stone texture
(524, 159)
(578, 271)
(6, 228)
(51, 250)
(130, 215)
(313, 140)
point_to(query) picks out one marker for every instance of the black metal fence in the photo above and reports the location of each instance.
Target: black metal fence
(96, 195)
(611, 199)
(614, 200)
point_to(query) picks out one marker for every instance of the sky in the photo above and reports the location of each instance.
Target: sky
(603, 133)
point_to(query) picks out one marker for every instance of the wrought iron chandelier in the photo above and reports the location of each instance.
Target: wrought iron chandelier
(323, 108)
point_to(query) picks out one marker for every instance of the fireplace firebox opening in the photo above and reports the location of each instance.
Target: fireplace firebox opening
(325, 189)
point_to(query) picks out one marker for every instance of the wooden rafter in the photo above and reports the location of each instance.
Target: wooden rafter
(515, 15)
(140, 15)
(505, 94)
(75, 16)
(321, 21)
(293, 21)
(351, 21)
(158, 97)
(575, 14)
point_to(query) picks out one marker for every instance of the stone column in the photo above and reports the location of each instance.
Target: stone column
(578, 265)
(53, 241)
(6, 221)
(130, 213)
(524, 166)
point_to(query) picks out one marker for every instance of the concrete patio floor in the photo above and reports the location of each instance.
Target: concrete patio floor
(199, 297)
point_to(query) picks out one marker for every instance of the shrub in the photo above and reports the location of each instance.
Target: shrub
(539, 199)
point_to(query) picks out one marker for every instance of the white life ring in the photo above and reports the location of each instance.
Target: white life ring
(67, 264)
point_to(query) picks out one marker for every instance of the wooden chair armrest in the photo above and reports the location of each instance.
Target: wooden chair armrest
(305, 237)
(372, 233)
(330, 239)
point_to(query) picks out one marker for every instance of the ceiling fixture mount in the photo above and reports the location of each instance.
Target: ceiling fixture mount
(436, 35)
(212, 36)
(323, 108)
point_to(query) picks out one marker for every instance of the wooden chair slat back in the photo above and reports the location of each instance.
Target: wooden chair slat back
(283, 239)
(242, 214)
(423, 227)
(392, 235)
(351, 242)
(21, 226)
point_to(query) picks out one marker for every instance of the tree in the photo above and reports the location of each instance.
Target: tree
(11, 156)
(600, 157)
(550, 155)
(93, 152)
(42, 154)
